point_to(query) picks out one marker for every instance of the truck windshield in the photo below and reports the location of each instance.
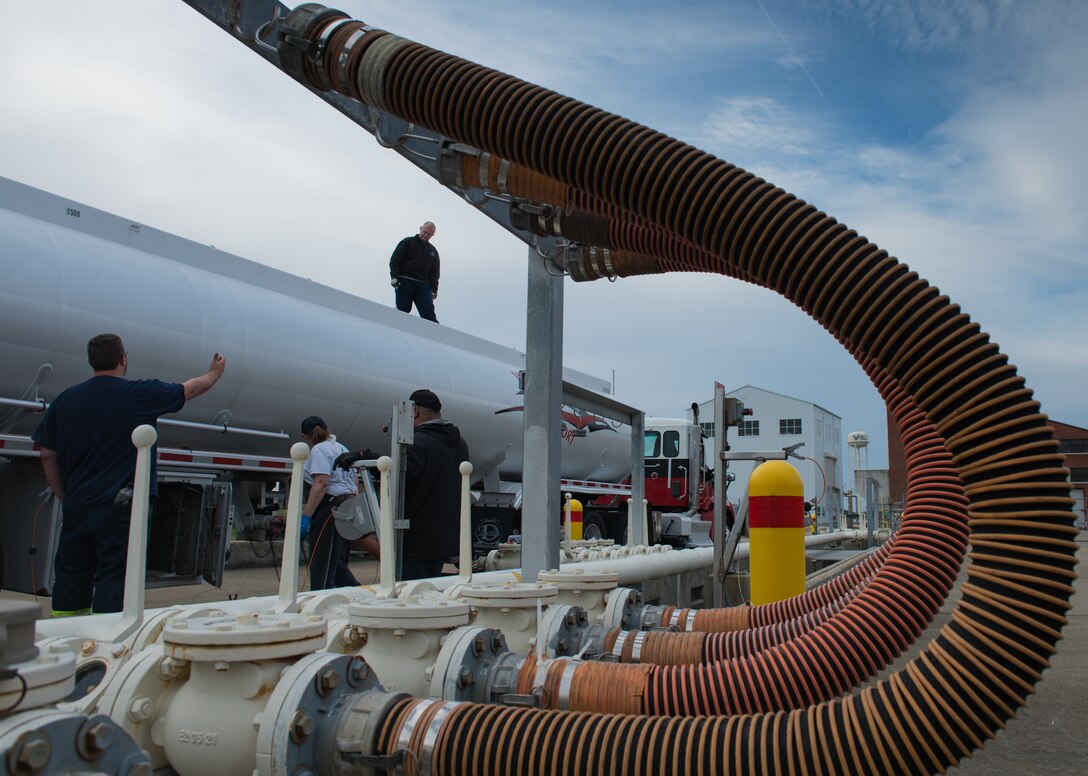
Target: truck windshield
(652, 446)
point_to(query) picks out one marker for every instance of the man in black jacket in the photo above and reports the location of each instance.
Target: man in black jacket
(413, 271)
(432, 490)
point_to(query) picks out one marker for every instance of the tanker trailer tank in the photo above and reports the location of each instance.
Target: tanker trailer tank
(72, 271)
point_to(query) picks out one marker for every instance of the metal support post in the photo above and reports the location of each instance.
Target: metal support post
(638, 479)
(719, 570)
(403, 432)
(540, 510)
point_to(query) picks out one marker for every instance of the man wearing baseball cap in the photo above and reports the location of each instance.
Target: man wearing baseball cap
(432, 490)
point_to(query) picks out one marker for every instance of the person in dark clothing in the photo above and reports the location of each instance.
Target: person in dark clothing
(413, 272)
(90, 462)
(432, 489)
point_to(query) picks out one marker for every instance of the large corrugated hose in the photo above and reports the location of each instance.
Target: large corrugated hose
(965, 684)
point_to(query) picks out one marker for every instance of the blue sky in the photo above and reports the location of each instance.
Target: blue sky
(949, 133)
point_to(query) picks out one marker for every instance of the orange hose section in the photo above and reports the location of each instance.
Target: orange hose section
(519, 181)
(968, 681)
(664, 648)
(642, 247)
(734, 618)
(621, 692)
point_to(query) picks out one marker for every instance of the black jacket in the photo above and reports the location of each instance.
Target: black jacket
(432, 491)
(416, 259)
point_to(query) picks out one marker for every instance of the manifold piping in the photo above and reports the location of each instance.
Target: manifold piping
(967, 682)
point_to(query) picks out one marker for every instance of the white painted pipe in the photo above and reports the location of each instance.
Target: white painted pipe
(632, 569)
(648, 565)
(132, 615)
(386, 538)
(292, 537)
(465, 574)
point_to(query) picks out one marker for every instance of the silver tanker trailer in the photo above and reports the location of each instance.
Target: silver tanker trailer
(71, 271)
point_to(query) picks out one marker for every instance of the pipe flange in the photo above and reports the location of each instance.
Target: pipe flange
(465, 663)
(96, 664)
(44, 680)
(53, 741)
(140, 694)
(299, 724)
(244, 637)
(580, 579)
(410, 614)
(622, 609)
(509, 594)
(563, 630)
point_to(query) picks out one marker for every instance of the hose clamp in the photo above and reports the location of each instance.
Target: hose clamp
(485, 167)
(689, 623)
(674, 619)
(606, 254)
(565, 681)
(636, 649)
(430, 736)
(318, 51)
(404, 739)
(504, 167)
(617, 646)
(345, 54)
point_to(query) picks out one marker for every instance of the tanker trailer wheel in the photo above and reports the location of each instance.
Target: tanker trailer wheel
(593, 526)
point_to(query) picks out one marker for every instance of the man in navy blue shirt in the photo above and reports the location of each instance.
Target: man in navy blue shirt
(413, 271)
(90, 462)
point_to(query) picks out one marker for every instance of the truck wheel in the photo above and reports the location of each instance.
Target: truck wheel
(593, 526)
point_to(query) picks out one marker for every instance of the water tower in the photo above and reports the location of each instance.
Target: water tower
(859, 442)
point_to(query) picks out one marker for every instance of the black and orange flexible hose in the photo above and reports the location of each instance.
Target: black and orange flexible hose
(978, 671)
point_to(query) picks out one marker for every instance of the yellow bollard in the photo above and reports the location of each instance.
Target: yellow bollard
(776, 540)
(573, 515)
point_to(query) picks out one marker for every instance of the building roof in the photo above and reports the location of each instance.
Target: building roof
(784, 396)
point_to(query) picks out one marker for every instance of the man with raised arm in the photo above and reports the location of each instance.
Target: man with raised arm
(90, 462)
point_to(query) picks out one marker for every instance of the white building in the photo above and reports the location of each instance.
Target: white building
(779, 421)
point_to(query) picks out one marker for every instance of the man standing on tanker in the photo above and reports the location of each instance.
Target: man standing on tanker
(90, 462)
(413, 272)
(432, 489)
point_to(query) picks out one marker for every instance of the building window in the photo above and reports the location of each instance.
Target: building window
(1078, 475)
(1068, 446)
(748, 428)
(707, 429)
(789, 426)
